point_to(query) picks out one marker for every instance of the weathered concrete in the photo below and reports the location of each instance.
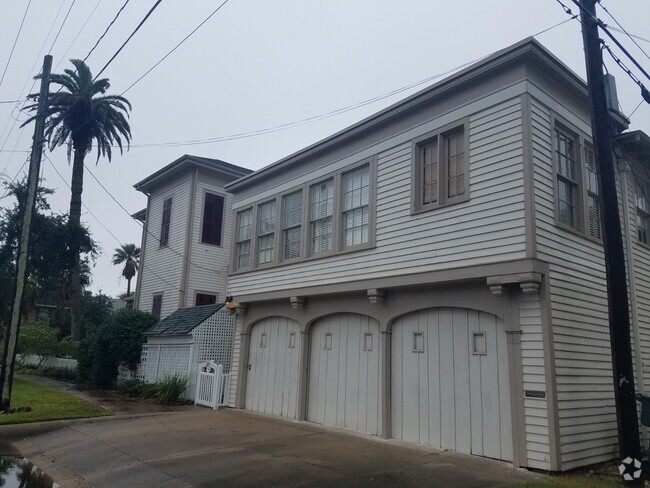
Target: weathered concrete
(228, 448)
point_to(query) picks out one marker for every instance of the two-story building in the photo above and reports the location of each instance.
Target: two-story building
(435, 272)
(186, 235)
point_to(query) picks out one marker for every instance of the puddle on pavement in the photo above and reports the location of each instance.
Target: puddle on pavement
(18, 472)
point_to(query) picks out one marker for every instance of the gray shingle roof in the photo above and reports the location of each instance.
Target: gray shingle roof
(182, 321)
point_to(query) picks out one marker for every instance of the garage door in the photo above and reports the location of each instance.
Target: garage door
(344, 373)
(449, 382)
(272, 382)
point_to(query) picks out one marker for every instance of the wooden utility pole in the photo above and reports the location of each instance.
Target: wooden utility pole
(619, 318)
(11, 335)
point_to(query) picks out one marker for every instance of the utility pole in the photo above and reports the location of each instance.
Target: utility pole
(619, 318)
(11, 335)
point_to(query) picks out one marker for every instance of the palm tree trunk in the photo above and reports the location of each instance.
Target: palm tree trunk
(128, 287)
(76, 186)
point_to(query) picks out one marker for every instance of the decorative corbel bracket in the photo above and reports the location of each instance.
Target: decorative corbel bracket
(376, 296)
(297, 303)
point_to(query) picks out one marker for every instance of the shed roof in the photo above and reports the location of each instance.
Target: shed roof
(183, 320)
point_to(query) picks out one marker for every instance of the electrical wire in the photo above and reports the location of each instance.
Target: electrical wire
(106, 228)
(623, 28)
(56, 38)
(15, 42)
(603, 26)
(129, 38)
(77, 36)
(106, 31)
(175, 47)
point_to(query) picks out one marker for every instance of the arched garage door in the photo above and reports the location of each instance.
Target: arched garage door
(272, 382)
(344, 373)
(449, 382)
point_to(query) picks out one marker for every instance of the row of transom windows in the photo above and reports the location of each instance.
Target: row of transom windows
(330, 216)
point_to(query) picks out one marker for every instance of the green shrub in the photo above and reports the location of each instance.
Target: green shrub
(117, 341)
(69, 347)
(132, 387)
(39, 339)
(60, 373)
(169, 390)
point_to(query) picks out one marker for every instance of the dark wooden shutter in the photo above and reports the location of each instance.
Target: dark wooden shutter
(212, 219)
(157, 305)
(166, 220)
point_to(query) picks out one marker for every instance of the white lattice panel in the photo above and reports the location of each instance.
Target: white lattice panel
(213, 338)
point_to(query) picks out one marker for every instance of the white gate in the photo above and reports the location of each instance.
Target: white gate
(212, 385)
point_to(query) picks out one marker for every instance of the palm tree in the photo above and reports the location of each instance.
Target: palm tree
(128, 254)
(78, 115)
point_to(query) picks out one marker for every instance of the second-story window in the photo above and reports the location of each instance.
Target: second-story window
(292, 225)
(265, 232)
(593, 199)
(212, 219)
(440, 168)
(642, 213)
(567, 178)
(243, 238)
(356, 197)
(166, 221)
(156, 305)
(321, 215)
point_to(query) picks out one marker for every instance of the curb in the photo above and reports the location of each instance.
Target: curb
(15, 432)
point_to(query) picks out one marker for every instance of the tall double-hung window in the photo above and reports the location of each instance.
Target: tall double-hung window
(266, 216)
(356, 198)
(440, 168)
(243, 234)
(321, 216)
(567, 177)
(292, 225)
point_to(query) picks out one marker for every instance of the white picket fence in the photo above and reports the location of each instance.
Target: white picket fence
(212, 385)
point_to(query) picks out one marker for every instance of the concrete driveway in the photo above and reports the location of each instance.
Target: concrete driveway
(202, 448)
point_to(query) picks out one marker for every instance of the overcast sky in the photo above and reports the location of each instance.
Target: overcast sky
(257, 65)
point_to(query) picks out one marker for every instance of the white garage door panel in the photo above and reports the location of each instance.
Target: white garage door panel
(343, 377)
(445, 396)
(272, 384)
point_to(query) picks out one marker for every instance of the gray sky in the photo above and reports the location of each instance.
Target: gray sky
(261, 64)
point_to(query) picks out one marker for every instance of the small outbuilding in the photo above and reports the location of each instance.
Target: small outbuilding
(185, 339)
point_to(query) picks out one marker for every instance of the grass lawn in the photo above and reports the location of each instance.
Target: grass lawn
(47, 404)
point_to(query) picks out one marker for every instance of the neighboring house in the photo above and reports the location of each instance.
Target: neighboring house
(186, 338)
(435, 273)
(186, 237)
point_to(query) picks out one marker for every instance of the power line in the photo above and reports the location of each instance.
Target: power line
(175, 47)
(129, 38)
(623, 29)
(106, 31)
(106, 228)
(78, 34)
(56, 38)
(603, 26)
(14, 178)
(10, 101)
(15, 42)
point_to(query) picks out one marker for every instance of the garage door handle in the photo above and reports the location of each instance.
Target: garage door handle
(249, 367)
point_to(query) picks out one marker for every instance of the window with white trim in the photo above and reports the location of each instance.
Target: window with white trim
(266, 232)
(243, 238)
(356, 198)
(642, 212)
(292, 225)
(567, 177)
(321, 216)
(440, 168)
